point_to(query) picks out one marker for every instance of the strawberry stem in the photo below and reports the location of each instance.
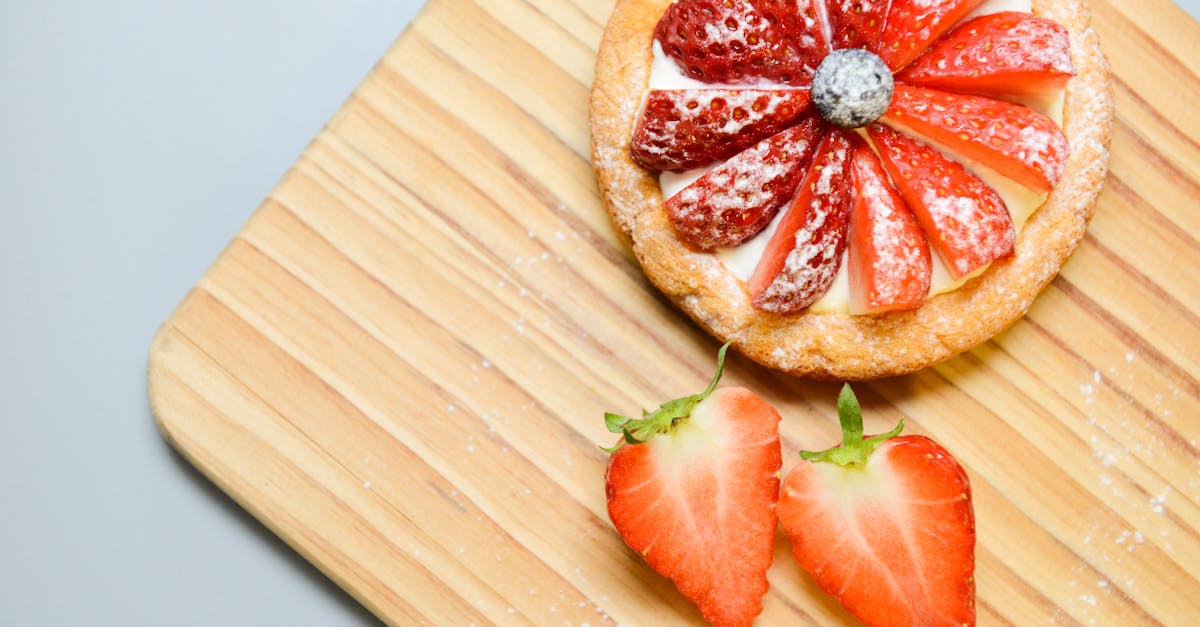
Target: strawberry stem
(663, 419)
(854, 450)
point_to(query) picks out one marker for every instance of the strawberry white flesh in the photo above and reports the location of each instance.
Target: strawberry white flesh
(891, 536)
(697, 501)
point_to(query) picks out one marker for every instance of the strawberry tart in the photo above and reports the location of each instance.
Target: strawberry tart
(851, 189)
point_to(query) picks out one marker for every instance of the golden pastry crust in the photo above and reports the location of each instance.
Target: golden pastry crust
(835, 345)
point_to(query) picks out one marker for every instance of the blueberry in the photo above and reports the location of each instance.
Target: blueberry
(852, 88)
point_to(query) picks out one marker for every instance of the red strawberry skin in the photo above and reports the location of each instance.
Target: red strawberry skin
(856, 23)
(699, 504)
(737, 199)
(888, 256)
(726, 41)
(966, 221)
(893, 539)
(914, 24)
(804, 254)
(799, 25)
(682, 129)
(1011, 139)
(1006, 53)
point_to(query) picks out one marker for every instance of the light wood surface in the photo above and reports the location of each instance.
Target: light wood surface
(401, 363)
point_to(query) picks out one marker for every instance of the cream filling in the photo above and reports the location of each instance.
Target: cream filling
(664, 74)
(996, 6)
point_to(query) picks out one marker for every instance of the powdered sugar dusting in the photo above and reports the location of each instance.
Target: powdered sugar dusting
(966, 221)
(1022, 54)
(965, 225)
(995, 6)
(892, 268)
(688, 128)
(1016, 141)
(735, 200)
(1042, 147)
(813, 263)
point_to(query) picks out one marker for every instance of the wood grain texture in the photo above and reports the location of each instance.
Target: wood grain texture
(401, 363)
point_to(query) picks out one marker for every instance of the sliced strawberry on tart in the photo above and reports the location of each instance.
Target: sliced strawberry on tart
(726, 41)
(1011, 139)
(1006, 53)
(966, 221)
(682, 129)
(948, 114)
(912, 25)
(887, 257)
(804, 253)
(735, 200)
(856, 23)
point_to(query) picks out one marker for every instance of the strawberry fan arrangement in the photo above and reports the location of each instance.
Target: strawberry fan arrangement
(841, 117)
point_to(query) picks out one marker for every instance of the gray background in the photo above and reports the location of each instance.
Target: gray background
(135, 138)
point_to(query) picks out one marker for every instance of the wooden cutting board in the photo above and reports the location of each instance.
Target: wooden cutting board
(400, 364)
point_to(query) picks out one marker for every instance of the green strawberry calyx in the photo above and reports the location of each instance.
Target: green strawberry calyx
(854, 450)
(663, 419)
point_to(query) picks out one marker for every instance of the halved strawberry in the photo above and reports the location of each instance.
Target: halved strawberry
(726, 41)
(885, 524)
(966, 221)
(682, 129)
(1006, 53)
(913, 24)
(856, 23)
(691, 488)
(803, 255)
(1011, 139)
(735, 200)
(888, 256)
